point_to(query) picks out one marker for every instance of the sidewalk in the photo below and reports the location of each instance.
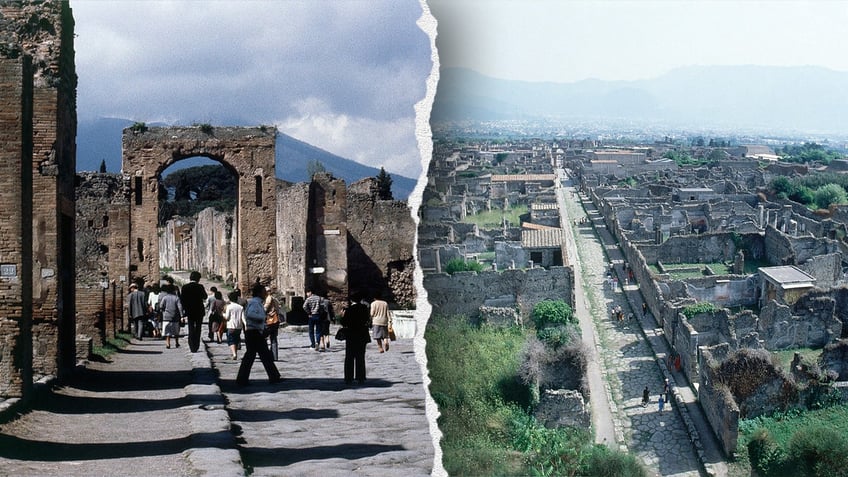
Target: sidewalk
(148, 410)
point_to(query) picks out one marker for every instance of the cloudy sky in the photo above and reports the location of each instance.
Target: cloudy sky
(341, 75)
(566, 41)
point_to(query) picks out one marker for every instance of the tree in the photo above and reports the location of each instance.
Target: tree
(314, 167)
(103, 166)
(829, 194)
(384, 185)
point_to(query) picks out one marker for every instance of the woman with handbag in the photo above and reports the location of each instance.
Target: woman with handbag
(273, 315)
(355, 330)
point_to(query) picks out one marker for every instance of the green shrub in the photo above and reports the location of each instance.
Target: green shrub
(552, 312)
(556, 336)
(604, 461)
(698, 308)
(766, 456)
(818, 451)
(461, 265)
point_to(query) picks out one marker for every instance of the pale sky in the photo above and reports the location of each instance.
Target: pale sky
(566, 41)
(341, 75)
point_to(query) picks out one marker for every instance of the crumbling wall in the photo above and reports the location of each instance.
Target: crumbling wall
(463, 293)
(834, 358)
(718, 404)
(292, 214)
(102, 229)
(810, 322)
(380, 244)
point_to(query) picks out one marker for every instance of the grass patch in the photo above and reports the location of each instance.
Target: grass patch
(485, 416)
(782, 427)
(784, 357)
(493, 219)
(112, 345)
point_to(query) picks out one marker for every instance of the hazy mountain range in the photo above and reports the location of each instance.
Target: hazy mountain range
(787, 99)
(100, 139)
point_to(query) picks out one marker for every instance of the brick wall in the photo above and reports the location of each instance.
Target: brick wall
(16, 233)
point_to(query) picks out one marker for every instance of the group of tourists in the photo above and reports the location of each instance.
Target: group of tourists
(163, 309)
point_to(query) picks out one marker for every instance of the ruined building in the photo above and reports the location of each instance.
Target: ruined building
(38, 124)
(58, 297)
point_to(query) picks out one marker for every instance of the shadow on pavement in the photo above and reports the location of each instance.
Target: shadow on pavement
(25, 449)
(299, 414)
(105, 381)
(63, 404)
(287, 384)
(265, 457)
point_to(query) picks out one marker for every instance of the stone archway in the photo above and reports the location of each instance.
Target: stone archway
(247, 152)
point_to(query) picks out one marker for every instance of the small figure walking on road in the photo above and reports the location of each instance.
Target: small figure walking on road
(666, 390)
(254, 339)
(661, 402)
(646, 396)
(644, 309)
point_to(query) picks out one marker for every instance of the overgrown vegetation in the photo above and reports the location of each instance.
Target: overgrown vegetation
(813, 190)
(807, 152)
(461, 265)
(682, 158)
(493, 219)
(698, 308)
(486, 419)
(555, 323)
(112, 345)
(808, 443)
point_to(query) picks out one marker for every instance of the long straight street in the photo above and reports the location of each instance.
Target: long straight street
(623, 363)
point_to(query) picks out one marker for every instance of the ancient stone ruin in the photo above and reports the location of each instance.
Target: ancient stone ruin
(71, 244)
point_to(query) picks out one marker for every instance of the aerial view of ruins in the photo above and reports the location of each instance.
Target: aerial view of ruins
(642, 277)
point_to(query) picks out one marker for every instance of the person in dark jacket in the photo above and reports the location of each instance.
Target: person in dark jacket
(193, 296)
(355, 320)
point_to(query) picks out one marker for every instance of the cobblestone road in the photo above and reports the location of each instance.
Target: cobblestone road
(659, 439)
(312, 424)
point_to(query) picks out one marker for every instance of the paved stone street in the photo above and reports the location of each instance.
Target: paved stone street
(660, 439)
(157, 411)
(312, 424)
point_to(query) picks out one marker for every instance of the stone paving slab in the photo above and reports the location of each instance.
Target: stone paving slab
(313, 424)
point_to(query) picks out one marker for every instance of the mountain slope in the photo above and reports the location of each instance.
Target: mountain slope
(100, 139)
(809, 99)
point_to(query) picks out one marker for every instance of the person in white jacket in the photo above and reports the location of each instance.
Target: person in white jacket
(234, 314)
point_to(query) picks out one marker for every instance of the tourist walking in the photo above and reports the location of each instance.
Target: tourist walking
(355, 323)
(216, 317)
(381, 320)
(312, 307)
(193, 297)
(172, 311)
(327, 316)
(234, 317)
(661, 402)
(273, 316)
(646, 396)
(153, 310)
(667, 390)
(208, 306)
(254, 315)
(137, 309)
